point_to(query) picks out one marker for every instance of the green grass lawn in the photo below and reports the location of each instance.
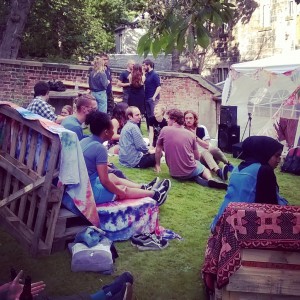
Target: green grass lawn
(172, 273)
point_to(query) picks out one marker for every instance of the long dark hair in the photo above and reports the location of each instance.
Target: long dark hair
(137, 75)
(119, 113)
(98, 121)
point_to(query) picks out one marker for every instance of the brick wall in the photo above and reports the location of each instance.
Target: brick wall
(184, 91)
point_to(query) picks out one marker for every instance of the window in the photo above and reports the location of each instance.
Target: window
(265, 13)
(291, 8)
(222, 74)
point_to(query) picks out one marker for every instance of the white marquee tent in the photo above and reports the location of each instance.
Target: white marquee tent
(269, 89)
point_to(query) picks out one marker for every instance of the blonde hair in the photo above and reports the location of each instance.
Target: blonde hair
(98, 65)
(161, 107)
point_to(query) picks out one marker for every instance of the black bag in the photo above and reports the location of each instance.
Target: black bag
(292, 162)
(56, 86)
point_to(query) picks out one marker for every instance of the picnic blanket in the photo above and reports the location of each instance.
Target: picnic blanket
(122, 219)
(72, 171)
(242, 225)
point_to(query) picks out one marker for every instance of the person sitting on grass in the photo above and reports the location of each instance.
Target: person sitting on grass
(118, 120)
(181, 152)
(119, 289)
(134, 152)
(156, 123)
(107, 187)
(67, 110)
(254, 180)
(209, 156)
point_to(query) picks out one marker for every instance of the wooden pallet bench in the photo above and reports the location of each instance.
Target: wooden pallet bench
(269, 275)
(27, 193)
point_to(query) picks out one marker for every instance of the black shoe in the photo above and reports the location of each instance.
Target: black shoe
(117, 286)
(151, 185)
(162, 192)
(223, 173)
(149, 241)
(214, 183)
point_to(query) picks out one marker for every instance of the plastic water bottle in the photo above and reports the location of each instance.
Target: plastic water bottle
(26, 293)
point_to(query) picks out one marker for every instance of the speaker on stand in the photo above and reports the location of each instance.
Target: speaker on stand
(228, 115)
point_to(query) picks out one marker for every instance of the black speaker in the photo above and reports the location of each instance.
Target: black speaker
(227, 136)
(228, 115)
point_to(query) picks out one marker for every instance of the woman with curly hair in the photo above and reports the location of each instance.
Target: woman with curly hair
(137, 89)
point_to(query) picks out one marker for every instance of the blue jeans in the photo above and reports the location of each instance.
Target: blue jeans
(101, 98)
(150, 107)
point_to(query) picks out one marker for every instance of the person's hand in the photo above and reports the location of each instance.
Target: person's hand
(157, 169)
(151, 150)
(15, 288)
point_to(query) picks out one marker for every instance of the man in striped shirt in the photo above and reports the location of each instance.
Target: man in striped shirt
(134, 153)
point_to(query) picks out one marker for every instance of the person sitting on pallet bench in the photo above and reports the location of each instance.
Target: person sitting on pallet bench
(84, 104)
(254, 180)
(209, 156)
(119, 289)
(39, 104)
(181, 152)
(107, 187)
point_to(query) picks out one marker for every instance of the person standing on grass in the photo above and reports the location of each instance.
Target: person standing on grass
(134, 153)
(84, 105)
(152, 88)
(40, 106)
(107, 187)
(209, 156)
(254, 180)
(156, 124)
(181, 152)
(109, 92)
(137, 90)
(98, 83)
(123, 80)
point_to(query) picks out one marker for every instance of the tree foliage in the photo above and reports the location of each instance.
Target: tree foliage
(182, 24)
(71, 28)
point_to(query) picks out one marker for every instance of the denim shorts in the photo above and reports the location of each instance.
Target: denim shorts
(198, 171)
(101, 194)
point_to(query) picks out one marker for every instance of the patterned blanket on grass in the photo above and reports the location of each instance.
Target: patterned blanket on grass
(256, 226)
(122, 219)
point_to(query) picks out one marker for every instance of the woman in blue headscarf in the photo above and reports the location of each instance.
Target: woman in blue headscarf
(254, 180)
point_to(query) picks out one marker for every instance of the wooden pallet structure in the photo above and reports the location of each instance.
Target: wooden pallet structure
(264, 275)
(29, 162)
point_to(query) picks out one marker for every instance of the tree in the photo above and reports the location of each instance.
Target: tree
(63, 28)
(180, 24)
(12, 35)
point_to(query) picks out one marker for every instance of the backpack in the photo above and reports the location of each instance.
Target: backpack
(292, 162)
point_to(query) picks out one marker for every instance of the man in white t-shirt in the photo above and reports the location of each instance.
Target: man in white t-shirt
(209, 155)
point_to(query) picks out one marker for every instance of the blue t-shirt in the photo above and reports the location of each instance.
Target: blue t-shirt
(152, 82)
(94, 153)
(72, 123)
(124, 79)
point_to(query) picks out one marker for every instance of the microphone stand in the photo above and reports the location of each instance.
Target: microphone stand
(248, 124)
